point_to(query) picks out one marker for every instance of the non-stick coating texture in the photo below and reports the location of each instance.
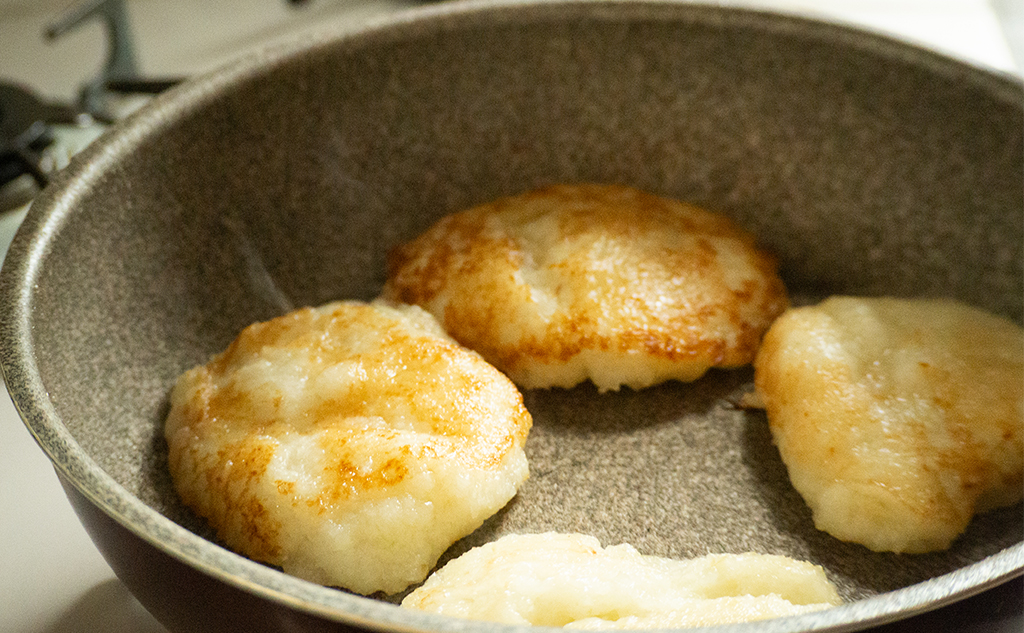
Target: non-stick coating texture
(867, 169)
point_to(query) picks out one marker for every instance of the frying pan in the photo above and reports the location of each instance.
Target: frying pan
(866, 165)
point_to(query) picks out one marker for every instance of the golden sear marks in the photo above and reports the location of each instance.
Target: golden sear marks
(397, 372)
(898, 419)
(543, 279)
(327, 409)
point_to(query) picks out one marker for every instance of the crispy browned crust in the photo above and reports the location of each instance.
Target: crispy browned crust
(897, 419)
(223, 430)
(630, 273)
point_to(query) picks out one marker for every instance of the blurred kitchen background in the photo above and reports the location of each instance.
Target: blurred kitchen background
(52, 579)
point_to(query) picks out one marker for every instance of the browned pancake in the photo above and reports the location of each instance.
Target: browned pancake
(599, 282)
(350, 444)
(898, 419)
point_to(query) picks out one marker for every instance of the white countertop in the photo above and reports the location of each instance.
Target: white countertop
(52, 579)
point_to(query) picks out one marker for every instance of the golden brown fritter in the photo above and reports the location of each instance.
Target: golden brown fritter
(599, 282)
(897, 419)
(350, 444)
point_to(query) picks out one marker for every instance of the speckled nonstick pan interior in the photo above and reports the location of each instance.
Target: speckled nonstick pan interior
(867, 166)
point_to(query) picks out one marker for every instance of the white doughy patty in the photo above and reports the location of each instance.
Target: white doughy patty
(570, 580)
(350, 444)
(898, 419)
(599, 282)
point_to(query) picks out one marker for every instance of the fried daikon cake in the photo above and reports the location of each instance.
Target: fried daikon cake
(599, 282)
(569, 580)
(898, 419)
(349, 444)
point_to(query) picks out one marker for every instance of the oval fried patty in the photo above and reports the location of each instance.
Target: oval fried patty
(350, 444)
(570, 580)
(593, 281)
(898, 419)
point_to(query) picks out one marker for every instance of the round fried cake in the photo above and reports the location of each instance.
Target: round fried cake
(349, 444)
(569, 580)
(897, 419)
(599, 282)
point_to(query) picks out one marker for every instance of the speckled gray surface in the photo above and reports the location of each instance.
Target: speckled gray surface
(867, 166)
